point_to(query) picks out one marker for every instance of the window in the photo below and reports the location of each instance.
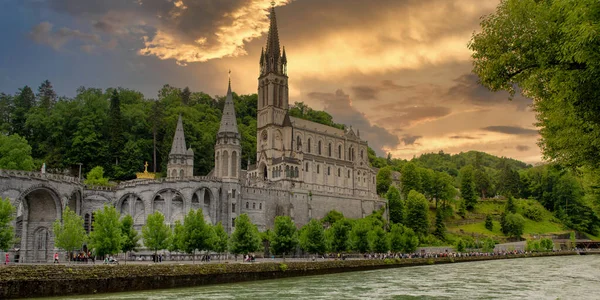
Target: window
(339, 172)
(348, 173)
(318, 169)
(306, 169)
(297, 172)
(308, 146)
(232, 222)
(298, 144)
(287, 171)
(319, 148)
(260, 206)
(328, 170)
(340, 151)
(247, 205)
(233, 194)
(232, 207)
(361, 154)
(253, 205)
(373, 179)
(329, 150)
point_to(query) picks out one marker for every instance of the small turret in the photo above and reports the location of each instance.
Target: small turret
(228, 150)
(181, 161)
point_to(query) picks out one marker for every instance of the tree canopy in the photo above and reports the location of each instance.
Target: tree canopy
(70, 233)
(107, 237)
(7, 232)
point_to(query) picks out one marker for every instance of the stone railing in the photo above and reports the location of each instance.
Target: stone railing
(39, 175)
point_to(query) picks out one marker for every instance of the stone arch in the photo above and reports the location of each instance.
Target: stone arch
(264, 170)
(204, 198)
(41, 205)
(225, 164)
(132, 204)
(74, 202)
(174, 173)
(234, 159)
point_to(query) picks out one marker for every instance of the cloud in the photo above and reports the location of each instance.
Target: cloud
(467, 90)
(514, 130)
(339, 105)
(522, 148)
(408, 116)
(44, 34)
(463, 137)
(365, 92)
(410, 139)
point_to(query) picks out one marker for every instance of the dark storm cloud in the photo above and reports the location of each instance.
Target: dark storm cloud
(365, 92)
(410, 139)
(514, 130)
(522, 148)
(406, 116)
(339, 105)
(466, 89)
(45, 34)
(463, 137)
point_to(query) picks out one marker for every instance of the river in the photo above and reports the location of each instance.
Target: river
(566, 277)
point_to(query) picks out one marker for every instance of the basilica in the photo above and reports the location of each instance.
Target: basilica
(303, 170)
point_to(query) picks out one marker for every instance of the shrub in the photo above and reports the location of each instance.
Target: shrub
(283, 267)
(533, 213)
(489, 225)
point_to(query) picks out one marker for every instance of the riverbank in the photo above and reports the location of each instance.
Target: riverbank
(24, 281)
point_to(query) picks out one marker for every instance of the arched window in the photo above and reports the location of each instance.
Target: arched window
(361, 154)
(318, 169)
(308, 146)
(319, 148)
(260, 206)
(225, 164)
(174, 173)
(247, 205)
(298, 144)
(287, 171)
(306, 168)
(339, 172)
(297, 172)
(253, 205)
(340, 151)
(234, 164)
(181, 173)
(348, 173)
(329, 150)
(328, 170)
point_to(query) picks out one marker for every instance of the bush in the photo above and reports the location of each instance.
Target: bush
(533, 213)
(283, 267)
(489, 225)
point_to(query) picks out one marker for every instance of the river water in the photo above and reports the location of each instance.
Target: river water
(567, 277)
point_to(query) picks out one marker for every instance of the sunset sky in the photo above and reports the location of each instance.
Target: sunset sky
(397, 70)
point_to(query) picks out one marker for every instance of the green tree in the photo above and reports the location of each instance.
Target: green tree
(69, 234)
(396, 205)
(46, 96)
(417, 213)
(176, 241)
(197, 234)
(467, 188)
(359, 236)
(489, 225)
(410, 241)
(488, 245)
(220, 239)
(549, 51)
(7, 232)
(15, 153)
(460, 246)
(24, 101)
(312, 238)
(286, 237)
(332, 216)
(410, 179)
(511, 207)
(395, 237)
(384, 180)
(440, 227)
(443, 189)
(427, 178)
(116, 139)
(132, 237)
(340, 235)
(107, 237)
(379, 240)
(96, 177)
(245, 238)
(156, 233)
(514, 225)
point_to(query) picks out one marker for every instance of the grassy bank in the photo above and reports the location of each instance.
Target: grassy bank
(22, 281)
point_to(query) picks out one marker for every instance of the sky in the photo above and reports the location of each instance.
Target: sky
(399, 71)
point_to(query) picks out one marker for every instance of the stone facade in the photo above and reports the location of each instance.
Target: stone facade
(303, 170)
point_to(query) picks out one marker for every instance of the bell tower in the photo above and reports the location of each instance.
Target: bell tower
(228, 150)
(273, 93)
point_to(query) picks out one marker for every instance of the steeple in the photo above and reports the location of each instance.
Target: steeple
(178, 146)
(228, 119)
(273, 50)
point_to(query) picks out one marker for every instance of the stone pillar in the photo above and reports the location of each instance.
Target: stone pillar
(131, 201)
(168, 196)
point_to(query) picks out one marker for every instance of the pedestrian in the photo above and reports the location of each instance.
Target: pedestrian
(56, 257)
(7, 260)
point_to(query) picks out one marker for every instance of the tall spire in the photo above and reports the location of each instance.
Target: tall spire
(178, 146)
(228, 119)
(273, 51)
